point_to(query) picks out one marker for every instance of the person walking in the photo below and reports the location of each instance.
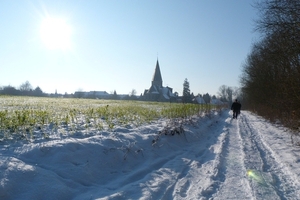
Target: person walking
(236, 108)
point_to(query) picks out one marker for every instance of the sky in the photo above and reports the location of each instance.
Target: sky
(113, 45)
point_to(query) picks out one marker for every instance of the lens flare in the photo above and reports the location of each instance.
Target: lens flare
(255, 175)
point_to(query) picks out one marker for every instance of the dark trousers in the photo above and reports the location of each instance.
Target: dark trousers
(235, 114)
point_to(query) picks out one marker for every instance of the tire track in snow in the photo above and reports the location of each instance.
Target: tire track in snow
(211, 170)
(235, 184)
(186, 172)
(211, 175)
(274, 181)
(199, 174)
(202, 176)
(254, 160)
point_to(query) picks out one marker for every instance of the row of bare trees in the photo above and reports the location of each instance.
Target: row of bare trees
(271, 74)
(25, 89)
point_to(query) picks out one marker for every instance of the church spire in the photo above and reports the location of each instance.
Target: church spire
(157, 79)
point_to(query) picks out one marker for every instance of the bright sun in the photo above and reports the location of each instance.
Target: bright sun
(56, 33)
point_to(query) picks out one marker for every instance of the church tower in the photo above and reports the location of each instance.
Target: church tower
(157, 79)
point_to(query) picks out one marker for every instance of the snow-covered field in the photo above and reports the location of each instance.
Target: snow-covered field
(215, 158)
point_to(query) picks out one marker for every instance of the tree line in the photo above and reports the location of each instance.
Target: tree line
(25, 89)
(225, 93)
(271, 73)
(188, 97)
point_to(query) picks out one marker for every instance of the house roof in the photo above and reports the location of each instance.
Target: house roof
(98, 92)
(199, 100)
(166, 92)
(216, 102)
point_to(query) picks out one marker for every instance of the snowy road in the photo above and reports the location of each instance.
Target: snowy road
(216, 158)
(246, 158)
(247, 163)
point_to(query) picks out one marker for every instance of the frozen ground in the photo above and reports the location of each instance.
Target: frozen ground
(216, 158)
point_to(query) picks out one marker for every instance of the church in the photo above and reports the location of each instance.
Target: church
(157, 92)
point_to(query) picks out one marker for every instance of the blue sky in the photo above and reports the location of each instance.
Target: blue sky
(114, 45)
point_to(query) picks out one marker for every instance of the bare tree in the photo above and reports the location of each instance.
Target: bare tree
(25, 86)
(225, 93)
(271, 73)
(229, 92)
(132, 94)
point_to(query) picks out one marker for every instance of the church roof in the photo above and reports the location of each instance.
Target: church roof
(157, 74)
(154, 89)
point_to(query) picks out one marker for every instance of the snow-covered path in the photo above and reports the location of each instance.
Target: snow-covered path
(235, 184)
(216, 158)
(233, 161)
(271, 158)
(257, 162)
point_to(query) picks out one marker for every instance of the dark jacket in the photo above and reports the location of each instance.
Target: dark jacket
(236, 106)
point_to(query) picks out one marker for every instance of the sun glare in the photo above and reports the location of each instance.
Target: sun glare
(56, 33)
